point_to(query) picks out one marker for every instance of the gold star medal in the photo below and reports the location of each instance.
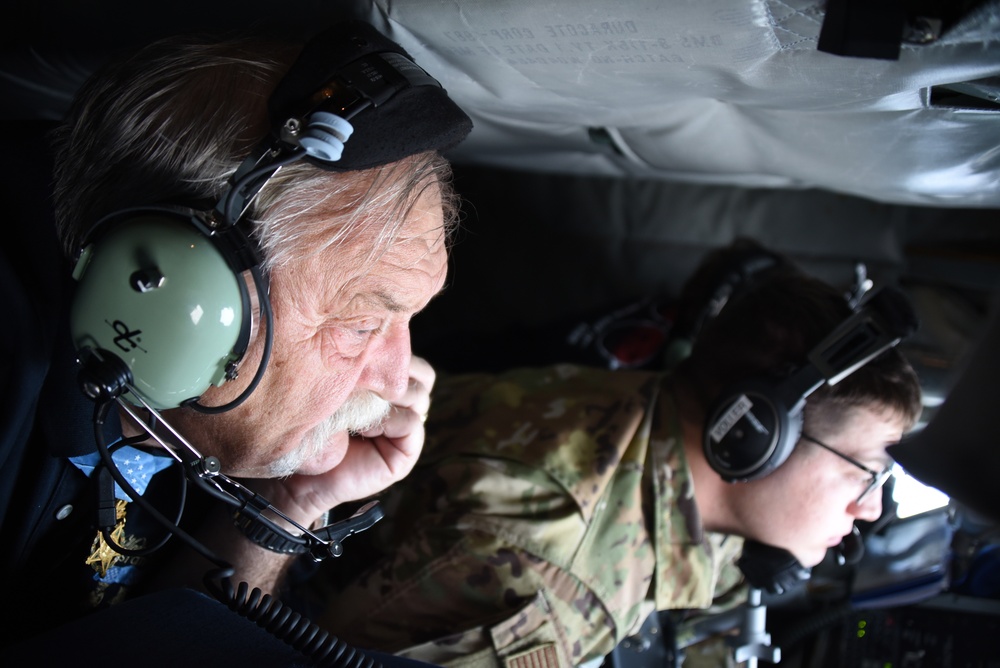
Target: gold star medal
(102, 556)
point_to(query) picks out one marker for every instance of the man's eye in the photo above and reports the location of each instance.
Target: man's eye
(363, 327)
(352, 337)
(859, 476)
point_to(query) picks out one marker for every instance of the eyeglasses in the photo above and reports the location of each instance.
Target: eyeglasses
(877, 479)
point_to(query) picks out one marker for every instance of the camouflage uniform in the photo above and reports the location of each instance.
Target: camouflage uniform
(550, 512)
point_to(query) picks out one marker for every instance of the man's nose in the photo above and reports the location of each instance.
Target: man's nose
(870, 508)
(387, 371)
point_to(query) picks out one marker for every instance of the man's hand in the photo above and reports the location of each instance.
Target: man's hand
(386, 454)
(374, 459)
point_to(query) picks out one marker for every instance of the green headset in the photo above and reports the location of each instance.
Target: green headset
(160, 299)
(161, 308)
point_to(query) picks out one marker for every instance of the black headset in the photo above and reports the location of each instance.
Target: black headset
(754, 425)
(161, 305)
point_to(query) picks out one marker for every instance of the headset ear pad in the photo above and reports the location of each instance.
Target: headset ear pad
(751, 430)
(155, 290)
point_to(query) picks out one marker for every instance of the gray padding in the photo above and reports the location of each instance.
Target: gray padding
(726, 92)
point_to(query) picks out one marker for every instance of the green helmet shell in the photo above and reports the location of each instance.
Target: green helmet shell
(157, 292)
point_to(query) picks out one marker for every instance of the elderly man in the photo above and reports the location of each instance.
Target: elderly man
(292, 203)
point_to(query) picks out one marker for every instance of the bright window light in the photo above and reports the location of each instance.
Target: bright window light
(914, 497)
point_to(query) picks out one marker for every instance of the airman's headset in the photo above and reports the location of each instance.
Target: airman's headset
(161, 305)
(754, 424)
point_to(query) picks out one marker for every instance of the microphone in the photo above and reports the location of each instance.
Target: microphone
(851, 548)
(770, 568)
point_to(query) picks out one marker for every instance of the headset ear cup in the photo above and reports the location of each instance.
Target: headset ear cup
(750, 431)
(155, 291)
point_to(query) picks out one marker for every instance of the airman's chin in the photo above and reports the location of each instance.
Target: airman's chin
(810, 558)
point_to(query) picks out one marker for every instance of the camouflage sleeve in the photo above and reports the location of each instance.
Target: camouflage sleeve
(448, 591)
(486, 535)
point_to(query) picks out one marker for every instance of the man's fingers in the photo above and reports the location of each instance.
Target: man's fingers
(418, 393)
(399, 423)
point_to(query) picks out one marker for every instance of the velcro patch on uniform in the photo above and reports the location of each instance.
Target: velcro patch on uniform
(542, 656)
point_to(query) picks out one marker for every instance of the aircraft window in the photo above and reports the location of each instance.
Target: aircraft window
(914, 497)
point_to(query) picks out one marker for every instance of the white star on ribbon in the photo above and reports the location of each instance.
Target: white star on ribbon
(138, 467)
